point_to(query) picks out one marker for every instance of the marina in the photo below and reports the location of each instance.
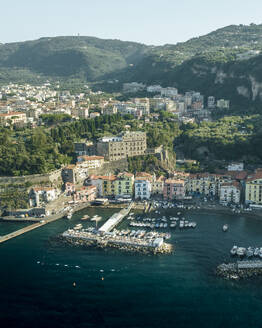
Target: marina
(108, 236)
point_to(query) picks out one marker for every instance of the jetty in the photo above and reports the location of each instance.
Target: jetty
(115, 219)
(240, 269)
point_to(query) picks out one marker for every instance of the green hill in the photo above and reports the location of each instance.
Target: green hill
(208, 63)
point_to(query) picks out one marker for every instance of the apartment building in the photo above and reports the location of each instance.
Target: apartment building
(127, 144)
(174, 189)
(230, 193)
(253, 192)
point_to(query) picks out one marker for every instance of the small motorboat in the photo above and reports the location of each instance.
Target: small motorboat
(225, 227)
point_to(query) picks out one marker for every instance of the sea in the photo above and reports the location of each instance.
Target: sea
(46, 284)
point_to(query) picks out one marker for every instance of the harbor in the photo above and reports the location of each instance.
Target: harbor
(108, 236)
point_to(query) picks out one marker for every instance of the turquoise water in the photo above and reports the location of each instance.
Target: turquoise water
(178, 290)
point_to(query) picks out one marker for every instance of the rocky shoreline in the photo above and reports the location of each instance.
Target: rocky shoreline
(163, 249)
(236, 271)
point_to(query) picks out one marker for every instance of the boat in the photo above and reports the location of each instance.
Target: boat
(256, 251)
(234, 250)
(225, 227)
(241, 251)
(250, 252)
(85, 217)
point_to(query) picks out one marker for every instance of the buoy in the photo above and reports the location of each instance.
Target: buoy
(102, 278)
(74, 284)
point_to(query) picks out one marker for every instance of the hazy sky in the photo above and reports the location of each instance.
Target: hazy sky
(147, 21)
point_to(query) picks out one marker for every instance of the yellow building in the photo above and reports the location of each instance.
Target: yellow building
(108, 185)
(206, 184)
(253, 194)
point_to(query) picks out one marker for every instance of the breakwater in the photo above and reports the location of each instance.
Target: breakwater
(125, 244)
(240, 270)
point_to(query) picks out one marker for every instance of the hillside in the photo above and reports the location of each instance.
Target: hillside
(85, 57)
(209, 63)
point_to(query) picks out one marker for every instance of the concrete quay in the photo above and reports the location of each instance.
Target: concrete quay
(42, 222)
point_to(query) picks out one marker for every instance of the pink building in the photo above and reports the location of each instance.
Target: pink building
(85, 194)
(174, 189)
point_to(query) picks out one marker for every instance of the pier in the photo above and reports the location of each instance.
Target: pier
(116, 219)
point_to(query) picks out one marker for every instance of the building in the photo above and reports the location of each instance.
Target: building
(223, 104)
(94, 114)
(169, 92)
(174, 189)
(143, 105)
(13, 118)
(143, 185)
(110, 110)
(158, 185)
(133, 87)
(40, 195)
(127, 144)
(123, 185)
(253, 192)
(85, 194)
(69, 174)
(236, 167)
(90, 162)
(230, 193)
(211, 102)
(84, 148)
(206, 184)
(154, 88)
(83, 112)
(69, 188)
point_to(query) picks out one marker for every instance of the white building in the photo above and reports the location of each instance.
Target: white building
(211, 102)
(41, 194)
(154, 88)
(236, 167)
(230, 193)
(90, 162)
(143, 188)
(223, 104)
(169, 92)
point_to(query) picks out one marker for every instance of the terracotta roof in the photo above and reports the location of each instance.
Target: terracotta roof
(174, 181)
(43, 189)
(257, 175)
(12, 114)
(233, 183)
(90, 158)
(70, 167)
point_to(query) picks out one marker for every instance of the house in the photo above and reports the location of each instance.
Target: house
(230, 193)
(174, 189)
(39, 195)
(143, 185)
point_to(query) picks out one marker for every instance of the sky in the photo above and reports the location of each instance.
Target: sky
(153, 22)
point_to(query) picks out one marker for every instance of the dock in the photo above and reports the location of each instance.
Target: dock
(115, 219)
